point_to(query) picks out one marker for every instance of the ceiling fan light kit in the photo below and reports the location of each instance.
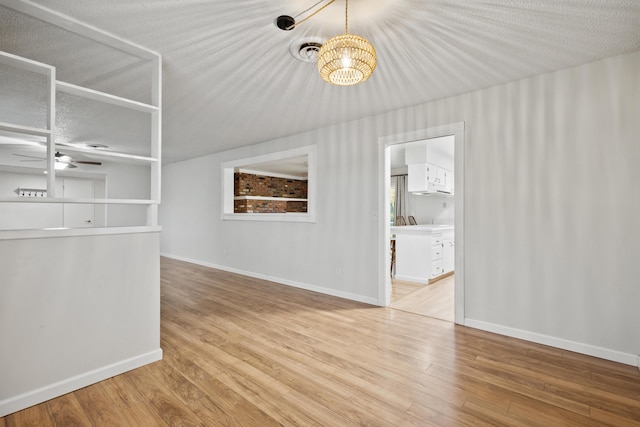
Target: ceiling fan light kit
(62, 165)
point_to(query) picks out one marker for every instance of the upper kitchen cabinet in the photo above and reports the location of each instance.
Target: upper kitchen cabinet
(430, 166)
(447, 179)
(425, 178)
(68, 117)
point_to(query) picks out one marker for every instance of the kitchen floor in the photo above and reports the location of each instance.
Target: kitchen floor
(434, 300)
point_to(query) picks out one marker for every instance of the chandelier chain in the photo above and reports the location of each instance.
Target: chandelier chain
(309, 8)
(346, 17)
(313, 14)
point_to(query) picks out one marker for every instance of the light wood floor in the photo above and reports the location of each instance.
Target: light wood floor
(435, 300)
(245, 352)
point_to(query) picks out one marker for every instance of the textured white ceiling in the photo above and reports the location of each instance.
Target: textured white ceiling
(230, 81)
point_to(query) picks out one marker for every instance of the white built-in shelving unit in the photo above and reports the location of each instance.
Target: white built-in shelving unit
(60, 95)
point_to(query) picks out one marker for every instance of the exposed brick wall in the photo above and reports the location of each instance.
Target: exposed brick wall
(267, 186)
(246, 184)
(296, 206)
(259, 206)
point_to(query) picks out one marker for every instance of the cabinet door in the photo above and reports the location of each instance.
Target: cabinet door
(417, 177)
(437, 269)
(426, 178)
(448, 255)
(448, 181)
(439, 175)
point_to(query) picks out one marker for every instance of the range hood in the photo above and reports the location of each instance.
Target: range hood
(430, 192)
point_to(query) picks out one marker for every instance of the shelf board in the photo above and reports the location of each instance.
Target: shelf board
(279, 199)
(78, 201)
(78, 27)
(74, 232)
(24, 130)
(104, 97)
(106, 154)
(25, 64)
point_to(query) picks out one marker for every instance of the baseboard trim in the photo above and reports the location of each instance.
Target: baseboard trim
(577, 347)
(300, 285)
(25, 400)
(420, 280)
(440, 277)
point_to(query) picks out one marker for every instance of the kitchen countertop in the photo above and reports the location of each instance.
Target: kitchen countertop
(421, 228)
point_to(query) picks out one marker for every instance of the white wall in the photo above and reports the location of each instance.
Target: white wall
(431, 209)
(331, 255)
(551, 202)
(127, 181)
(88, 309)
(15, 216)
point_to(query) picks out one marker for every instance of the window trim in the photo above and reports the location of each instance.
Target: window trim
(227, 192)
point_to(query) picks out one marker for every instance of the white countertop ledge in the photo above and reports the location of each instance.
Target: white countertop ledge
(75, 232)
(421, 228)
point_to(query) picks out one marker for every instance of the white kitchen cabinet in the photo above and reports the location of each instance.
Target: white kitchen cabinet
(440, 175)
(420, 252)
(448, 181)
(448, 253)
(430, 167)
(436, 256)
(426, 178)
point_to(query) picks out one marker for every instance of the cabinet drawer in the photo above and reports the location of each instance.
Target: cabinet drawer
(436, 269)
(436, 239)
(436, 253)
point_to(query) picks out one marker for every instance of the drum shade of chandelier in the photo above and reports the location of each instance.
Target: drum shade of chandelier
(343, 60)
(346, 59)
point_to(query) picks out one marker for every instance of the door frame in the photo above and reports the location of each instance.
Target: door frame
(384, 184)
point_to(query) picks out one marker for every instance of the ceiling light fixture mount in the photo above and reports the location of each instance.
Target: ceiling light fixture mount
(346, 59)
(288, 23)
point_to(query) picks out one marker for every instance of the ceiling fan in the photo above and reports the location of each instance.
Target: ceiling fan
(63, 160)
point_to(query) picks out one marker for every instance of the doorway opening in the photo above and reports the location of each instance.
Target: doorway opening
(423, 227)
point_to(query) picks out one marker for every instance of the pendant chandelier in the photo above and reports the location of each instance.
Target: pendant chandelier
(346, 59)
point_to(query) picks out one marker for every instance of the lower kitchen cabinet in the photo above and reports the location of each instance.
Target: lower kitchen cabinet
(448, 253)
(423, 252)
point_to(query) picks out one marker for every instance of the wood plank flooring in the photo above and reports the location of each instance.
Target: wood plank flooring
(401, 289)
(245, 352)
(434, 300)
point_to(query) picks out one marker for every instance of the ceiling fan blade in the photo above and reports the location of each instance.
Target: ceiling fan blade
(60, 158)
(31, 157)
(86, 162)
